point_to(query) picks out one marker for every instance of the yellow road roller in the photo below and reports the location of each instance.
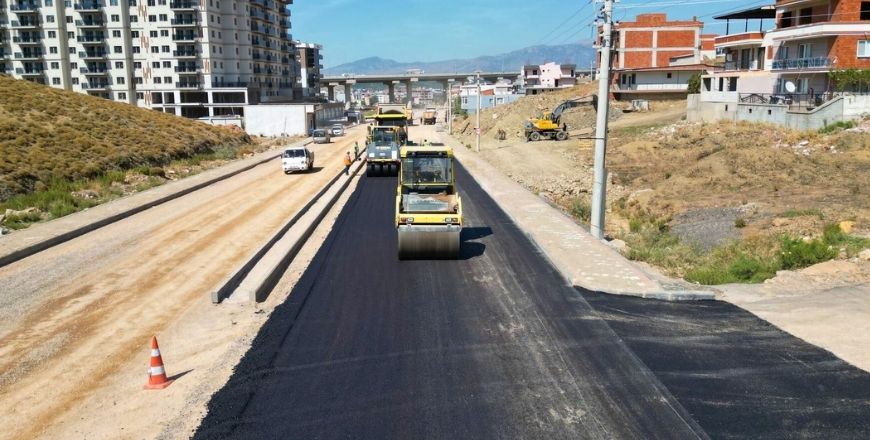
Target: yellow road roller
(428, 208)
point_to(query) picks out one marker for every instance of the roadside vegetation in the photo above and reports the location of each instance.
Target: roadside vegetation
(61, 152)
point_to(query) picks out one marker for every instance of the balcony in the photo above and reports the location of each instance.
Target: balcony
(230, 84)
(24, 41)
(185, 53)
(184, 22)
(93, 54)
(89, 7)
(91, 39)
(30, 72)
(743, 39)
(24, 9)
(184, 5)
(812, 63)
(24, 56)
(94, 71)
(84, 24)
(188, 37)
(186, 69)
(96, 86)
(818, 30)
(24, 24)
(188, 85)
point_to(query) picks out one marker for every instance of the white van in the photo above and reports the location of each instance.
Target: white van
(297, 159)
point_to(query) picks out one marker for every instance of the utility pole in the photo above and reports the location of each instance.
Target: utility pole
(599, 185)
(477, 129)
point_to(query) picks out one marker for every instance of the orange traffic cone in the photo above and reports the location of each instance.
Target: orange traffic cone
(157, 379)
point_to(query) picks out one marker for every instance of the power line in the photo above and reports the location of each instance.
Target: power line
(563, 23)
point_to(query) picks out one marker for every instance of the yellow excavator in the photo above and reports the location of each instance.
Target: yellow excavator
(428, 207)
(547, 125)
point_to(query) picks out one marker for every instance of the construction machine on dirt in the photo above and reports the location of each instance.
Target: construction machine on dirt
(428, 207)
(430, 116)
(548, 125)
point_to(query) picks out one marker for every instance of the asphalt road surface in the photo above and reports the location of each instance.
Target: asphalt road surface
(494, 345)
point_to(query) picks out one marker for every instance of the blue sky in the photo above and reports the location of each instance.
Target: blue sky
(433, 30)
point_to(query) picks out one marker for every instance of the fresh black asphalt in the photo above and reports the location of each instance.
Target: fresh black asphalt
(497, 345)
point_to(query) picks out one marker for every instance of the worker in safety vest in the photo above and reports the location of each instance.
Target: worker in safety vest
(347, 162)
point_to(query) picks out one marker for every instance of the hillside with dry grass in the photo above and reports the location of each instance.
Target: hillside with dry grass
(48, 134)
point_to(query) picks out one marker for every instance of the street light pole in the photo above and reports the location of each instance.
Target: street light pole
(477, 130)
(599, 185)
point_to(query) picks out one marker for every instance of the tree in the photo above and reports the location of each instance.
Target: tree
(695, 83)
(457, 107)
(850, 79)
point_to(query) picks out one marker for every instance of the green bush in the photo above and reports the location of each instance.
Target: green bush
(796, 253)
(739, 222)
(836, 126)
(581, 209)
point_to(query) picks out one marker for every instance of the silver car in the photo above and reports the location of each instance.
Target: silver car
(320, 136)
(337, 130)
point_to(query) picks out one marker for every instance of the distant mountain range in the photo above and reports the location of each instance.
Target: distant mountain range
(580, 54)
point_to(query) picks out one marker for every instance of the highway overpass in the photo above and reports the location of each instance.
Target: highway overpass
(390, 80)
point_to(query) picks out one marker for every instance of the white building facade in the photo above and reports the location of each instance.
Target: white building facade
(195, 58)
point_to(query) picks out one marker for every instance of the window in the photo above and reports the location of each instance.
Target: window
(122, 96)
(155, 64)
(670, 75)
(864, 48)
(785, 19)
(49, 18)
(52, 49)
(805, 50)
(782, 53)
(55, 65)
(865, 10)
(163, 17)
(136, 49)
(155, 49)
(113, 2)
(152, 19)
(73, 66)
(138, 80)
(153, 34)
(137, 64)
(803, 85)
(164, 33)
(69, 19)
(140, 95)
(152, 3)
(49, 2)
(119, 64)
(75, 81)
(165, 49)
(806, 16)
(134, 34)
(167, 79)
(117, 49)
(52, 34)
(120, 80)
(55, 81)
(134, 18)
(116, 18)
(116, 34)
(167, 64)
(158, 80)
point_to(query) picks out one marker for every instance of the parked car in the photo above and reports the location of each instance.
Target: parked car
(337, 130)
(320, 136)
(297, 159)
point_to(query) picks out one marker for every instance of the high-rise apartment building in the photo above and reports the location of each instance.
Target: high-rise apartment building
(194, 58)
(310, 60)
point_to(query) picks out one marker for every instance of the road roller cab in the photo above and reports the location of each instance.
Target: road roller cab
(428, 207)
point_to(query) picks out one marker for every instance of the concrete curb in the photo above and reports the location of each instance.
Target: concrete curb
(42, 245)
(254, 279)
(565, 259)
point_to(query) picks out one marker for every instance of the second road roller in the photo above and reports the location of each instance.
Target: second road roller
(428, 207)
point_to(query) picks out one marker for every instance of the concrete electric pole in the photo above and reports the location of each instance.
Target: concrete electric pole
(477, 127)
(599, 185)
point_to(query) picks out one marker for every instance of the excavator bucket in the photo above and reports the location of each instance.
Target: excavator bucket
(425, 242)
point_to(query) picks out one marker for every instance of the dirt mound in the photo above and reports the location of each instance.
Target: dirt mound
(511, 117)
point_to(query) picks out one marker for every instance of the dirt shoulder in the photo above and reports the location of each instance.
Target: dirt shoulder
(78, 316)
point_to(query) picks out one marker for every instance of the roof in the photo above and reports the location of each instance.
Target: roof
(406, 150)
(761, 12)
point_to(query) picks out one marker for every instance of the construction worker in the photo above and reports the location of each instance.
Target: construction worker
(356, 149)
(347, 162)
